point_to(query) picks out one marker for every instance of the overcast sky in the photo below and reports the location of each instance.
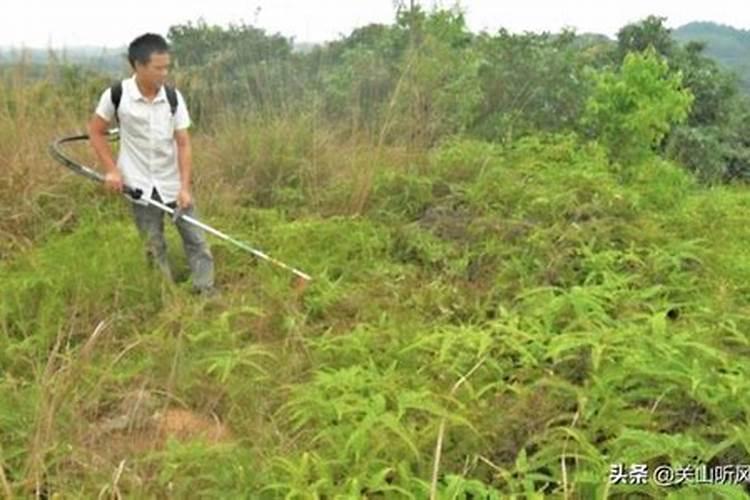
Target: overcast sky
(43, 23)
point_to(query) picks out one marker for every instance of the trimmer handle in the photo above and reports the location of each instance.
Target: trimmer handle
(133, 193)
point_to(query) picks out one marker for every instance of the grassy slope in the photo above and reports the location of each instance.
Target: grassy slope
(550, 313)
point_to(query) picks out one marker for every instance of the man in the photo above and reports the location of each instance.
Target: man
(155, 156)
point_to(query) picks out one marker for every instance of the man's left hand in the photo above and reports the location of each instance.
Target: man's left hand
(184, 199)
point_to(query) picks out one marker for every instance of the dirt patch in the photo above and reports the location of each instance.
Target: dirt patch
(185, 425)
(143, 423)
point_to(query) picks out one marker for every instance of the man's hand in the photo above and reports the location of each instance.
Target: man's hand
(98, 127)
(113, 181)
(184, 199)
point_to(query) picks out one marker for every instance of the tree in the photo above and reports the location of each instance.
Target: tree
(530, 83)
(438, 92)
(631, 110)
(650, 32)
(240, 64)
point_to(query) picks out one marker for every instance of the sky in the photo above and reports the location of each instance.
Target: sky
(67, 23)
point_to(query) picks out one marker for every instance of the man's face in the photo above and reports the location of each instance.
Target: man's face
(155, 71)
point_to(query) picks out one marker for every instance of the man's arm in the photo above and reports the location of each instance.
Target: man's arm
(185, 165)
(97, 129)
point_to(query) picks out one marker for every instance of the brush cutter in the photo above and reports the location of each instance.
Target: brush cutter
(136, 194)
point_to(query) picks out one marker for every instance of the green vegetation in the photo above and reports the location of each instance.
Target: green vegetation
(522, 275)
(727, 45)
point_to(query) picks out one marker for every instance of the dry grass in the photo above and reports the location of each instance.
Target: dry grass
(248, 163)
(31, 201)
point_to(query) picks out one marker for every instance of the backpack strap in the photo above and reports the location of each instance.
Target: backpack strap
(116, 96)
(172, 98)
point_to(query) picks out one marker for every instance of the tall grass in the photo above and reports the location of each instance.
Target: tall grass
(32, 112)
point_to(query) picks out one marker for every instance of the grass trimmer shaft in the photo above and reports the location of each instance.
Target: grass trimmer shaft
(136, 194)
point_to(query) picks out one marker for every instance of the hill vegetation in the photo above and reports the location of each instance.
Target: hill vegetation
(726, 44)
(529, 261)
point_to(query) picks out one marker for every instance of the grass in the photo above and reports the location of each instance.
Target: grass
(484, 321)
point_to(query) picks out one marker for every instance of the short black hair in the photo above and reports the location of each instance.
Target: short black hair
(142, 47)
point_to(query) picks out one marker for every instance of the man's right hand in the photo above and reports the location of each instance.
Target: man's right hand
(113, 181)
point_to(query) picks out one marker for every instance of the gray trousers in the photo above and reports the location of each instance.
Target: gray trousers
(150, 223)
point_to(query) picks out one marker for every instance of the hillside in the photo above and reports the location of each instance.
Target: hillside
(519, 290)
(730, 46)
(105, 60)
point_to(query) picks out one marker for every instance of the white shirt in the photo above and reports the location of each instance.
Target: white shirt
(148, 150)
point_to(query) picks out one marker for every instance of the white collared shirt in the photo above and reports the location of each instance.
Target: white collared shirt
(148, 151)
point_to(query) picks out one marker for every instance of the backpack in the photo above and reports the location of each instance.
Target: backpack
(116, 96)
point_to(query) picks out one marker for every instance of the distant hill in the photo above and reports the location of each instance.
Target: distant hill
(730, 46)
(107, 60)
